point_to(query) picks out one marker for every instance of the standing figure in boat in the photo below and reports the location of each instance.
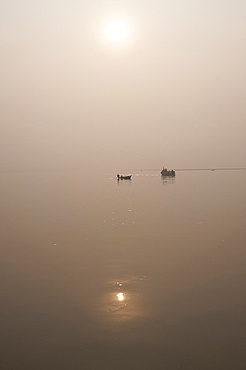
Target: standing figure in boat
(166, 172)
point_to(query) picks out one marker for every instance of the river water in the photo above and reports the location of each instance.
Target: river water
(106, 274)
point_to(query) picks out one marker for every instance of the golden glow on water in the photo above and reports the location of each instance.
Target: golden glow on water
(120, 296)
(122, 302)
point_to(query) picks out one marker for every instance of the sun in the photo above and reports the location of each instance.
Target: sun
(116, 31)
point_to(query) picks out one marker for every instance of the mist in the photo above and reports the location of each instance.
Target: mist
(173, 94)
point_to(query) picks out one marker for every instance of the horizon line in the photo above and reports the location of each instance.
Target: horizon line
(198, 169)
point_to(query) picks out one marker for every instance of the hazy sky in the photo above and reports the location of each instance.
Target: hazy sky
(172, 94)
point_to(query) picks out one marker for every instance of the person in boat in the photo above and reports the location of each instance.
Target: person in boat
(121, 177)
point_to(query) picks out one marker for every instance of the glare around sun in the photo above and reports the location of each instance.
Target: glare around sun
(116, 31)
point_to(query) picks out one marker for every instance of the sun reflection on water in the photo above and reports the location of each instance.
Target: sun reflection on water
(120, 296)
(122, 302)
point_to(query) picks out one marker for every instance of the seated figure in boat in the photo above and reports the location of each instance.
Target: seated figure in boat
(121, 177)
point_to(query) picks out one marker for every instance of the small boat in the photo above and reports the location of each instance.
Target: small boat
(166, 172)
(124, 177)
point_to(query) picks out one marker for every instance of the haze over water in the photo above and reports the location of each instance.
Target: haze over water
(101, 274)
(142, 274)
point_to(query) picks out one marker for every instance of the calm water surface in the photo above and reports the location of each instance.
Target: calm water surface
(140, 274)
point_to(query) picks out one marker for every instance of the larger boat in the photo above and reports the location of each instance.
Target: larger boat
(166, 172)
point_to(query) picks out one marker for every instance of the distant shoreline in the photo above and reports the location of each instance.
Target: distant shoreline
(212, 169)
(197, 169)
